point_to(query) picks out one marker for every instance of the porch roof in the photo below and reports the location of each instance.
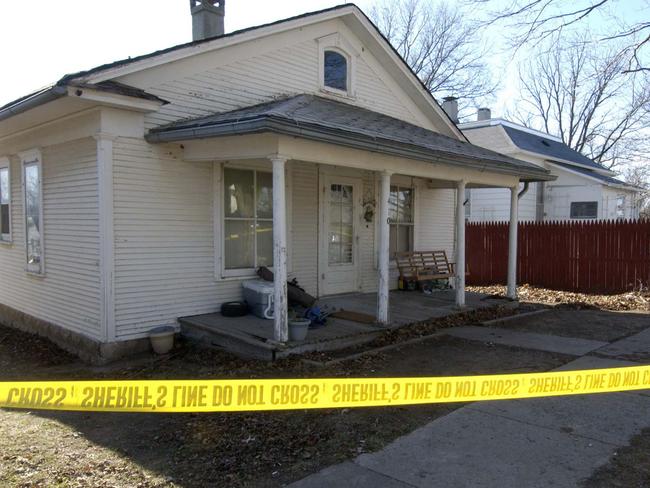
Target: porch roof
(317, 118)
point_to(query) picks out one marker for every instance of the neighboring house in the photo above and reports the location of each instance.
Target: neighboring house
(148, 189)
(583, 189)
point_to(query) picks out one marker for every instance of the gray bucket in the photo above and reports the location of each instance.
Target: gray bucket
(298, 329)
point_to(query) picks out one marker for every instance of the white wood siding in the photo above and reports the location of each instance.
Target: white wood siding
(493, 204)
(304, 229)
(68, 294)
(164, 235)
(255, 72)
(435, 220)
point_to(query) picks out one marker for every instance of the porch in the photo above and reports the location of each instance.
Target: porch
(252, 337)
(311, 187)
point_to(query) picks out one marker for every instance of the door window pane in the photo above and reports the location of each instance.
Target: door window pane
(33, 224)
(240, 244)
(341, 222)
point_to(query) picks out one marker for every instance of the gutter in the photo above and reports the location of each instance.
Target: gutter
(39, 98)
(279, 125)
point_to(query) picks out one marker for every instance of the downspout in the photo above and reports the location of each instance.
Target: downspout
(524, 190)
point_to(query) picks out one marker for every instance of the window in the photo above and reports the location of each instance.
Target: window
(335, 71)
(400, 216)
(248, 219)
(5, 204)
(341, 225)
(584, 210)
(33, 212)
(620, 206)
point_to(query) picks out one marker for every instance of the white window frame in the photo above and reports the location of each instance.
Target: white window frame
(220, 271)
(28, 158)
(620, 207)
(336, 43)
(7, 238)
(414, 192)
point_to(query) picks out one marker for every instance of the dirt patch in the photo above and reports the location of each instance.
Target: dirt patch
(626, 301)
(596, 325)
(629, 468)
(243, 449)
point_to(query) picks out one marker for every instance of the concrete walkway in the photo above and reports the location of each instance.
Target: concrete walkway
(510, 444)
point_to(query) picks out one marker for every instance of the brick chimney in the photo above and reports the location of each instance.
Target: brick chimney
(484, 114)
(207, 18)
(450, 106)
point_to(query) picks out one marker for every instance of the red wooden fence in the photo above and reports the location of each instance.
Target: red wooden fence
(588, 257)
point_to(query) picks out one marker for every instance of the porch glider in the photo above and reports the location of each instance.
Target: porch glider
(324, 120)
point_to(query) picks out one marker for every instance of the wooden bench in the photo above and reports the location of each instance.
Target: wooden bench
(424, 265)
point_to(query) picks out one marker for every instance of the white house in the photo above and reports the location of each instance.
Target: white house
(148, 189)
(583, 189)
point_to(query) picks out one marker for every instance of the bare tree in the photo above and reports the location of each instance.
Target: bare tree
(534, 21)
(439, 44)
(583, 96)
(639, 176)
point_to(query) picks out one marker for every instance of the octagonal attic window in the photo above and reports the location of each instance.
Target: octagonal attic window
(335, 71)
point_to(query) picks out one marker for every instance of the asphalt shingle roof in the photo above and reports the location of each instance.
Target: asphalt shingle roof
(593, 174)
(314, 116)
(548, 147)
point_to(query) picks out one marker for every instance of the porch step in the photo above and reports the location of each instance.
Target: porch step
(251, 338)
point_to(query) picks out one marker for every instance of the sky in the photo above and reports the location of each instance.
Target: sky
(41, 40)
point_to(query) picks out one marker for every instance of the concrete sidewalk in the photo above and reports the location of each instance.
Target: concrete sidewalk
(510, 444)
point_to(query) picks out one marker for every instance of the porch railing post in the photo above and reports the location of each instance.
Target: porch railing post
(384, 246)
(460, 244)
(280, 304)
(512, 243)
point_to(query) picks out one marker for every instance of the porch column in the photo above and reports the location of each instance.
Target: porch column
(460, 244)
(280, 306)
(384, 242)
(512, 243)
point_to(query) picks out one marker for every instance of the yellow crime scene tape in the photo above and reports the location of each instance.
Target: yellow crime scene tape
(286, 394)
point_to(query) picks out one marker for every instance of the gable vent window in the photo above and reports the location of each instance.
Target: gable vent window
(335, 71)
(584, 210)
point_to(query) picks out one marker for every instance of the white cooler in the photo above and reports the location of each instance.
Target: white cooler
(259, 296)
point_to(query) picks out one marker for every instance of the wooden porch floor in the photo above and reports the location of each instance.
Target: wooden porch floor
(252, 337)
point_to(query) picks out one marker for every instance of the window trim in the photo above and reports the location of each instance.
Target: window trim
(581, 217)
(6, 164)
(411, 224)
(348, 81)
(335, 43)
(33, 156)
(220, 271)
(620, 207)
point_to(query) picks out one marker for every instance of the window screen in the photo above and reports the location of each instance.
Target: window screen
(584, 210)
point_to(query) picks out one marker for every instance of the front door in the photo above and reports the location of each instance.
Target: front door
(340, 203)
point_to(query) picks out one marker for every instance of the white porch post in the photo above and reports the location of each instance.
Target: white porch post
(280, 306)
(512, 243)
(460, 244)
(384, 242)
